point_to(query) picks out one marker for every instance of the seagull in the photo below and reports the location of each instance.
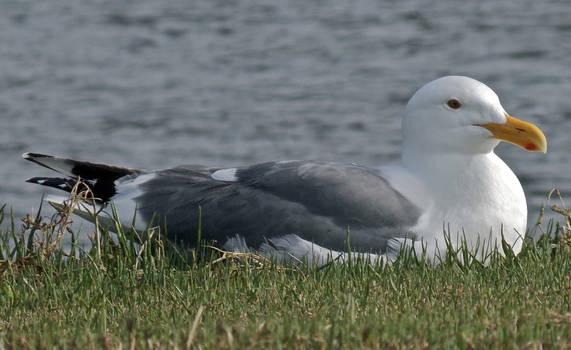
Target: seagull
(449, 190)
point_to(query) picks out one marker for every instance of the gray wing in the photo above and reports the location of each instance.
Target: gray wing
(317, 201)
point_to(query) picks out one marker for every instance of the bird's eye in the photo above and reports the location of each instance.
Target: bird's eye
(454, 103)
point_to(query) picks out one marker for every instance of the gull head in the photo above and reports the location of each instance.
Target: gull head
(460, 115)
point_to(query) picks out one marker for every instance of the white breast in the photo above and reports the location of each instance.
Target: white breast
(474, 200)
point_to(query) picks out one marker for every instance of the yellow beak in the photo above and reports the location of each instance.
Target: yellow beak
(519, 133)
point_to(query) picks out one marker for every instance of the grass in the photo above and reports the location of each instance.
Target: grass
(120, 295)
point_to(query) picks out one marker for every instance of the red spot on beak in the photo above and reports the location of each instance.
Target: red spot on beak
(530, 147)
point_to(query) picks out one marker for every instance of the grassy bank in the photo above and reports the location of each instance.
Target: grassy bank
(116, 295)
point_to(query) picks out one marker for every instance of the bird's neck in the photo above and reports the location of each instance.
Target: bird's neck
(455, 175)
(437, 163)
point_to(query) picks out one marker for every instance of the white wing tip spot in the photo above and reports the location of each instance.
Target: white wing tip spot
(228, 175)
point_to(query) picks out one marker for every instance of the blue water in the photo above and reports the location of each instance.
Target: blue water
(155, 84)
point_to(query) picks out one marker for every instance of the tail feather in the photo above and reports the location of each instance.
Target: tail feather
(84, 211)
(100, 178)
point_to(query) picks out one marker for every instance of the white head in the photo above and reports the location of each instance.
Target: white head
(461, 115)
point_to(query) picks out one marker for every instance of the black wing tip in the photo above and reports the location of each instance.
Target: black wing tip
(33, 180)
(56, 182)
(40, 180)
(31, 156)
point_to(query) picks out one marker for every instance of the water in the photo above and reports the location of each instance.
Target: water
(154, 84)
